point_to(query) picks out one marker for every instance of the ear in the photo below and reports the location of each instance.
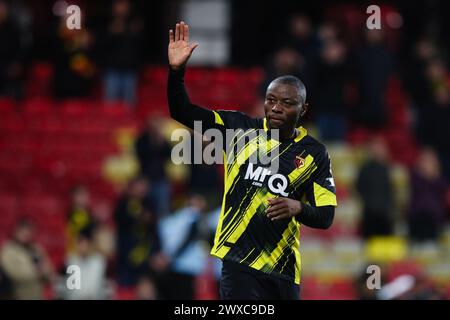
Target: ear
(305, 107)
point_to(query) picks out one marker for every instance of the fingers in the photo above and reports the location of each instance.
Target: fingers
(282, 216)
(186, 33)
(276, 213)
(177, 32)
(275, 200)
(274, 207)
(182, 30)
(181, 33)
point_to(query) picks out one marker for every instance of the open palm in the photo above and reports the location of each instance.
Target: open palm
(179, 47)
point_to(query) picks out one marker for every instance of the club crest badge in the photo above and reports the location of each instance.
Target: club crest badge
(299, 162)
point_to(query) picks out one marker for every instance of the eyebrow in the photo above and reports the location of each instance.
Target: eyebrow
(269, 95)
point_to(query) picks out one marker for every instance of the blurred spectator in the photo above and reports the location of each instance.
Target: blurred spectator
(25, 263)
(426, 215)
(121, 52)
(92, 264)
(146, 289)
(375, 187)
(104, 233)
(204, 178)
(301, 37)
(183, 236)
(153, 152)
(328, 32)
(11, 54)
(79, 217)
(435, 114)
(331, 76)
(375, 67)
(74, 65)
(5, 286)
(138, 242)
(285, 61)
(415, 74)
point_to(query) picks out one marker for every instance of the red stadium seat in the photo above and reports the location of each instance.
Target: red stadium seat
(39, 80)
(114, 109)
(37, 107)
(125, 293)
(42, 206)
(7, 106)
(8, 210)
(75, 108)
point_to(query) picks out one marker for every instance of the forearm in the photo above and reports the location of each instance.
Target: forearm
(316, 217)
(180, 106)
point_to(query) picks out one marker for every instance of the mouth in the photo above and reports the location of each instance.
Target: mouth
(276, 121)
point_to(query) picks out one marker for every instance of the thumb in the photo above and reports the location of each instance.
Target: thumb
(193, 46)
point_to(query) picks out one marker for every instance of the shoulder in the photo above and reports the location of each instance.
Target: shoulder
(237, 119)
(315, 147)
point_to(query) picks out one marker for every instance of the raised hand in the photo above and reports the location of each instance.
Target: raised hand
(179, 47)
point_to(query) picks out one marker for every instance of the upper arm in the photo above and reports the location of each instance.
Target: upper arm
(234, 120)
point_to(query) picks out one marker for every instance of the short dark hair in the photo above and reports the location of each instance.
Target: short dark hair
(293, 81)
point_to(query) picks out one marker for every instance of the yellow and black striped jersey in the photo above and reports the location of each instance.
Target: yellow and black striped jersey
(244, 233)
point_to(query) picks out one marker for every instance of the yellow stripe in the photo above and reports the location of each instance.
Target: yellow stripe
(222, 215)
(218, 119)
(323, 196)
(298, 259)
(249, 213)
(231, 225)
(266, 259)
(230, 155)
(292, 226)
(239, 229)
(302, 133)
(247, 255)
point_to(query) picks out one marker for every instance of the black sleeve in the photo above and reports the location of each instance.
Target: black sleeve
(316, 217)
(185, 112)
(180, 106)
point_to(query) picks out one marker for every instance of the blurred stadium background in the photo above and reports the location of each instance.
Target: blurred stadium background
(85, 171)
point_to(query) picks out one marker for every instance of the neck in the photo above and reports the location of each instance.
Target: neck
(286, 135)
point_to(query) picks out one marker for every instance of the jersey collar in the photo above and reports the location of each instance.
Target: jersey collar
(302, 132)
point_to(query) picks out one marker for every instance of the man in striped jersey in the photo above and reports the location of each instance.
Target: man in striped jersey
(257, 235)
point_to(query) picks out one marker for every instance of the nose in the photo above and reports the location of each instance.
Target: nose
(276, 107)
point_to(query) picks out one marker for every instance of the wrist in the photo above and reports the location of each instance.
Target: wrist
(176, 67)
(299, 210)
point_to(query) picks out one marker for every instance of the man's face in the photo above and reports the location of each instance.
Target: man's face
(282, 106)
